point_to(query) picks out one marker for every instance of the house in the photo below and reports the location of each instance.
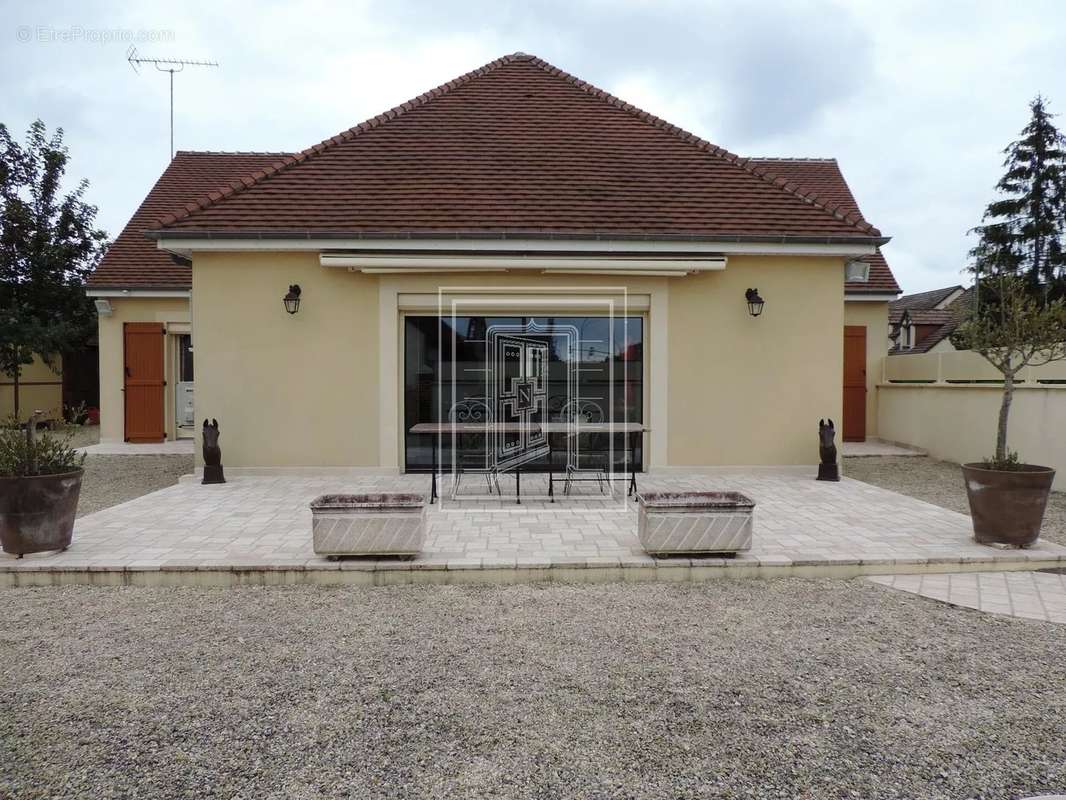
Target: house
(924, 322)
(513, 222)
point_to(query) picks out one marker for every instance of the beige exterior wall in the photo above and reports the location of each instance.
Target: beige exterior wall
(324, 387)
(747, 390)
(958, 422)
(173, 312)
(287, 390)
(874, 317)
(40, 389)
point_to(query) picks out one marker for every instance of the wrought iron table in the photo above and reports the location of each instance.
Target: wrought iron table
(632, 430)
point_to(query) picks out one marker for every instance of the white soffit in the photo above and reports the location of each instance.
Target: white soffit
(488, 262)
(120, 293)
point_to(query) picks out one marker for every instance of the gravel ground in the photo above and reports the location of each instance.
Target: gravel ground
(110, 480)
(82, 435)
(736, 689)
(940, 483)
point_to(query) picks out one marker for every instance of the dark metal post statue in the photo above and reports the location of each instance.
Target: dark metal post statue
(828, 470)
(212, 454)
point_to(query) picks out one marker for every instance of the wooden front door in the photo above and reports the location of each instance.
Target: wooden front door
(854, 383)
(144, 384)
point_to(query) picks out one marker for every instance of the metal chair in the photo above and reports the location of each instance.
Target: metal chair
(576, 412)
(473, 410)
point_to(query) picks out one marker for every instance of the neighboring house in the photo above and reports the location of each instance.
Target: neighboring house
(924, 322)
(514, 198)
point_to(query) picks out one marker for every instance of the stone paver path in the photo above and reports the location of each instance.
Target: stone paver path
(1030, 595)
(264, 523)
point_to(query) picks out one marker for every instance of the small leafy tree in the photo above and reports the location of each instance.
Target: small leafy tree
(1018, 330)
(48, 246)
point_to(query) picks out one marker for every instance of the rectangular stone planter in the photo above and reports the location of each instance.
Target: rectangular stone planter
(695, 522)
(368, 524)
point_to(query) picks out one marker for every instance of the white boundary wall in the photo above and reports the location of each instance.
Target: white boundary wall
(932, 401)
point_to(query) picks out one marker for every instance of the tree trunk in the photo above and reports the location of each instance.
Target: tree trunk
(1004, 413)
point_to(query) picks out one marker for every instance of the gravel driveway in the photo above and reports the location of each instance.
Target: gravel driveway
(736, 689)
(110, 480)
(940, 483)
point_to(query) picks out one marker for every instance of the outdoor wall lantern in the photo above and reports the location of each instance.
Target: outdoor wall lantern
(755, 303)
(292, 299)
(103, 306)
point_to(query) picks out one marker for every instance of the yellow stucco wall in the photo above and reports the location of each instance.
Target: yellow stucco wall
(287, 390)
(170, 311)
(874, 317)
(40, 389)
(324, 387)
(747, 390)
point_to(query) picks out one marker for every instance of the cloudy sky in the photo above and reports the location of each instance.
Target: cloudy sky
(915, 99)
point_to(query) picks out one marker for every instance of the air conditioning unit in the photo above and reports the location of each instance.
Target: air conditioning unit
(186, 411)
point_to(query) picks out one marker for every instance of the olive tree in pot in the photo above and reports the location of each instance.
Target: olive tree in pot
(1016, 321)
(40, 481)
(1018, 330)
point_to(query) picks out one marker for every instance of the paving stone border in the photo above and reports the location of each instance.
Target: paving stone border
(257, 530)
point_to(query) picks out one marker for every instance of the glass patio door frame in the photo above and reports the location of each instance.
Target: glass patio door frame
(510, 312)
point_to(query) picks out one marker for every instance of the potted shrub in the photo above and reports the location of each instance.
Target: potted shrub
(1015, 329)
(1016, 321)
(40, 481)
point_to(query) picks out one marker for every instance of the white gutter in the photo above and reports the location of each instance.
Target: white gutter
(869, 297)
(137, 293)
(186, 246)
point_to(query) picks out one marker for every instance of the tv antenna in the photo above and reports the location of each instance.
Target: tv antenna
(170, 65)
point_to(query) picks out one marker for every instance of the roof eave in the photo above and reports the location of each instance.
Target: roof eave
(305, 235)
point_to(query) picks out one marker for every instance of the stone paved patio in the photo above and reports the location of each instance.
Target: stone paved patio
(1029, 595)
(258, 530)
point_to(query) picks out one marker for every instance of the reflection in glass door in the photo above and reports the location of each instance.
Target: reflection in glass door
(562, 368)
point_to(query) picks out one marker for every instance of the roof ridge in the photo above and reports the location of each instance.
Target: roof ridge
(232, 153)
(292, 159)
(750, 166)
(747, 164)
(791, 158)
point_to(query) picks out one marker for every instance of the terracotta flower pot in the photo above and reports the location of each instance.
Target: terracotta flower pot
(37, 513)
(1007, 505)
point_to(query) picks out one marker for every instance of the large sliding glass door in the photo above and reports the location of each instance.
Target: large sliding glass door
(542, 369)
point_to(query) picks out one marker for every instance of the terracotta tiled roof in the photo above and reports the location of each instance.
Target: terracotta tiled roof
(134, 262)
(823, 177)
(947, 318)
(519, 148)
(928, 316)
(930, 299)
